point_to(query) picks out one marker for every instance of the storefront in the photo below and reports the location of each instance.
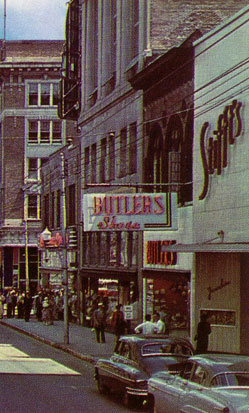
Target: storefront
(167, 282)
(221, 200)
(112, 242)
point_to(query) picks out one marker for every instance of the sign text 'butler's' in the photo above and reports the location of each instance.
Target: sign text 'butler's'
(126, 211)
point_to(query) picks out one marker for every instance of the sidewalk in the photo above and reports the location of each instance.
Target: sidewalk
(82, 343)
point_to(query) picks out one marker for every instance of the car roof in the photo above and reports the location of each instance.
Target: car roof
(217, 363)
(145, 339)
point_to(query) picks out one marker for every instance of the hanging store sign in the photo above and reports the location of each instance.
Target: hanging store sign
(156, 255)
(129, 212)
(214, 150)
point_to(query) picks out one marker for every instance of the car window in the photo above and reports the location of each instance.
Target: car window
(186, 373)
(125, 350)
(166, 348)
(199, 375)
(231, 379)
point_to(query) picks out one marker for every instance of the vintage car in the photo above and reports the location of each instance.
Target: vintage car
(137, 358)
(207, 383)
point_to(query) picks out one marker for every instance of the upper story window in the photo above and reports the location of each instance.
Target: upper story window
(133, 148)
(123, 153)
(103, 160)
(94, 163)
(33, 206)
(44, 131)
(111, 142)
(42, 94)
(32, 166)
(135, 28)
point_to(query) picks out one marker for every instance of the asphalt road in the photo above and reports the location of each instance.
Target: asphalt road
(38, 378)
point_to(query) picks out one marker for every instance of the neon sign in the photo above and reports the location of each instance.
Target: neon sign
(129, 212)
(214, 154)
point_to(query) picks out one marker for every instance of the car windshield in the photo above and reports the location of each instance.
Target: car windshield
(161, 349)
(240, 379)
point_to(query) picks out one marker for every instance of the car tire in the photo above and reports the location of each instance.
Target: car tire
(101, 387)
(151, 405)
(127, 400)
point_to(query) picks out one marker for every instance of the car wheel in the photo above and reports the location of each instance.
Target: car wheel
(127, 400)
(151, 405)
(101, 387)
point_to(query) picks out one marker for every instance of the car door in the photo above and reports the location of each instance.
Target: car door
(198, 396)
(170, 391)
(124, 367)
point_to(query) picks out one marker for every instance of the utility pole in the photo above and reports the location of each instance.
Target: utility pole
(65, 272)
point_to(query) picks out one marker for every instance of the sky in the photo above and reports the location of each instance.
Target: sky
(33, 19)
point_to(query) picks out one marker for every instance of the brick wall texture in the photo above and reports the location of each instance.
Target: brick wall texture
(172, 21)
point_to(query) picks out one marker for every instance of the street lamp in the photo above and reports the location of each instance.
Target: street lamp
(46, 235)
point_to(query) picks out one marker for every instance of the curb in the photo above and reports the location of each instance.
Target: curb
(63, 347)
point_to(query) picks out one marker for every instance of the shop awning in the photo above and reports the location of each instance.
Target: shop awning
(207, 247)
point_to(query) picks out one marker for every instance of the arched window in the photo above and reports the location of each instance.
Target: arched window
(173, 149)
(154, 159)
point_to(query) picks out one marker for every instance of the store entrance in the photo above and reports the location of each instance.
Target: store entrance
(169, 295)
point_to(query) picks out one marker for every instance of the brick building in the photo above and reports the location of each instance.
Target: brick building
(30, 132)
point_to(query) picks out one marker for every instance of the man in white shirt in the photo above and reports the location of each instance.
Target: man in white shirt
(160, 325)
(146, 328)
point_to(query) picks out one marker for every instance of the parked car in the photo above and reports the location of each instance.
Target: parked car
(207, 383)
(138, 357)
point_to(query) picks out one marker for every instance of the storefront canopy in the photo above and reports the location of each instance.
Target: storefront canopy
(207, 247)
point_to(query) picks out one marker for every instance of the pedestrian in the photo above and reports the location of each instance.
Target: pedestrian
(20, 305)
(9, 304)
(2, 301)
(146, 328)
(46, 311)
(203, 331)
(99, 323)
(160, 325)
(38, 306)
(27, 306)
(13, 303)
(118, 324)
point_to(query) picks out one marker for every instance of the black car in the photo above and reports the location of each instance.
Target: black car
(139, 357)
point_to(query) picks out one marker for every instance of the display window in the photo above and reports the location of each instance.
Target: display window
(169, 296)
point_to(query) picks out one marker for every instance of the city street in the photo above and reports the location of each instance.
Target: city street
(38, 378)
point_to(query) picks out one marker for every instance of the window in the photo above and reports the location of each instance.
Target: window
(45, 94)
(52, 210)
(87, 164)
(135, 28)
(103, 161)
(55, 93)
(42, 94)
(111, 156)
(33, 94)
(71, 205)
(32, 168)
(44, 131)
(58, 208)
(123, 152)
(133, 149)
(33, 207)
(46, 211)
(93, 162)
(56, 131)
(33, 131)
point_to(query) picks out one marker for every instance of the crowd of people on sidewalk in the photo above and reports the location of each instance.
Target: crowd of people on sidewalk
(46, 305)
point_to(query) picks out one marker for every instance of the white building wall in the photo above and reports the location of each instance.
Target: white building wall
(221, 75)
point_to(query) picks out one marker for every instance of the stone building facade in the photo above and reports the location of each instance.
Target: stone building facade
(30, 131)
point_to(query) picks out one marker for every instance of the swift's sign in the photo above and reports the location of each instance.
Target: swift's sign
(129, 212)
(214, 150)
